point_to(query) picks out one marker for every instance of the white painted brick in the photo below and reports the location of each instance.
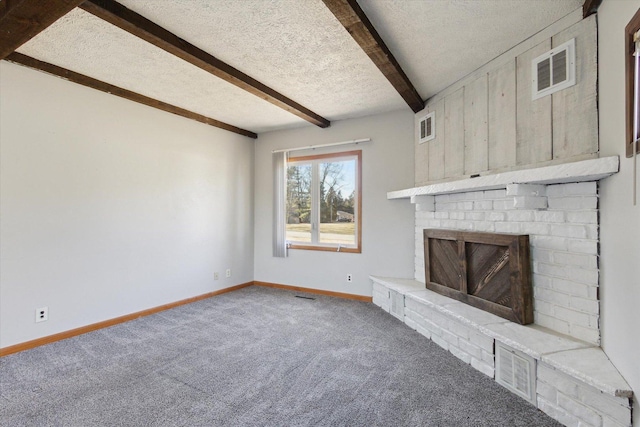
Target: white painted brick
(583, 246)
(508, 227)
(458, 197)
(579, 188)
(520, 216)
(542, 255)
(571, 316)
(503, 205)
(578, 260)
(592, 232)
(529, 202)
(465, 357)
(495, 194)
(483, 205)
(526, 190)
(557, 413)
(539, 228)
(483, 367)
(471, 349)
(580, 275)
(583, 217)
(496, 216)
(548, 242)
(551, 322)
(549, 269)
(442, 198)
(488, 358)
(459, 329)
(542, 281)
(569, 230)
(465, 206)
(571, 288)
(481, 340)
(558, 380)
(579, 410)
(485, 226)
(445, 206)
(615, 408)
(448, 223)
(457, 215)
(573, 203)
(441, 342)
(423, 200)
(583, 304)
(552, 296)
(546, 391)
(441, 215)
(549, 216)
(589, 334)
(543, 307)
(449, 337)
(474, 216)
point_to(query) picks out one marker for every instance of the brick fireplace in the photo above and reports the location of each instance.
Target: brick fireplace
(571, 379)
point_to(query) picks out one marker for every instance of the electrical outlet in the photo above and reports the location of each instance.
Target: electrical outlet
(228, 272)
(42, 314)
(216, 275)
(349, 277)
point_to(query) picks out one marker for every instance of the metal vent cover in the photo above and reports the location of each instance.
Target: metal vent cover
(426, 128)
(554, 70)
(397, 304)
(516, 371)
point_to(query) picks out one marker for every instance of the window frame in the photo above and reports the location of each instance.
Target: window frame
(358, 203)
(632, 27)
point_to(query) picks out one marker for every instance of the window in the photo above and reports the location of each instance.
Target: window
(633, 83)
(324, 205)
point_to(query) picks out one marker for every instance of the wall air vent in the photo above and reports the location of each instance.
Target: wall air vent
(554, 71)
(516, 371)
(427, 128)
(397, 304)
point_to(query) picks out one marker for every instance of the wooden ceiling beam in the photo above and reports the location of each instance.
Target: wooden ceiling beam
(136, 24)
(21, 20)
(87, 81)
(354, 20)
(590, 7)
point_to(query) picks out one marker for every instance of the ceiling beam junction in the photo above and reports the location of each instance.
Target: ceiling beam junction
(21, 20)
(136, 24)
(354, 20)
(87, 81)
(590, 7)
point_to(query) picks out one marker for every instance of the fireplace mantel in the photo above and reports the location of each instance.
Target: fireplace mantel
(586, 170)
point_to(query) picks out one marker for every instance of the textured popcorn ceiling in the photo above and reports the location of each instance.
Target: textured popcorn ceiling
(298, 48)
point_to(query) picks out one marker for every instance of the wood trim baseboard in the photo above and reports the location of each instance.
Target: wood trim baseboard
(5, 351)
(315, 291)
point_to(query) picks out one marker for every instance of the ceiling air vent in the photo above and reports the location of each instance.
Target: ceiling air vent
(427, 129)
(554, 71)
(516, 371)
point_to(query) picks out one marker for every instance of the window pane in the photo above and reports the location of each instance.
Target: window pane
(337, 202)
(299, 203)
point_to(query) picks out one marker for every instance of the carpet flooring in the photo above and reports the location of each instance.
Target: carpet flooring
(254, 357)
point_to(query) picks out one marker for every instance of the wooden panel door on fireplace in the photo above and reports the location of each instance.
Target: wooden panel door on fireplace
(487, 270)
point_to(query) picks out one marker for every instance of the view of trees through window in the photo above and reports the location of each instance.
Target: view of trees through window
(321, 201)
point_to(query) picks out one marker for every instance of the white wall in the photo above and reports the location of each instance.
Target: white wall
(620, 220)
(109, 207)
(387, 226)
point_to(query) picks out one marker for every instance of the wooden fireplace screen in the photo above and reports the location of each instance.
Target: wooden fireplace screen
(486, 270)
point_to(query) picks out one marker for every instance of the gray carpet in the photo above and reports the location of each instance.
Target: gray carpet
(254, 357)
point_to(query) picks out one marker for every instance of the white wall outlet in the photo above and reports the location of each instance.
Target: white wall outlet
(216, 275)
(349, 277)
(42, 314)
(228, 272)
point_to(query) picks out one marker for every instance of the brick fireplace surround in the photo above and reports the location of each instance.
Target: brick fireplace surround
(557, 206)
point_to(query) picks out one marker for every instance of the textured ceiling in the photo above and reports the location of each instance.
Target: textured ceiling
(296, 47)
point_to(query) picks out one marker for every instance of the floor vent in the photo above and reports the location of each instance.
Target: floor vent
(397, 304)
(516, 371)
